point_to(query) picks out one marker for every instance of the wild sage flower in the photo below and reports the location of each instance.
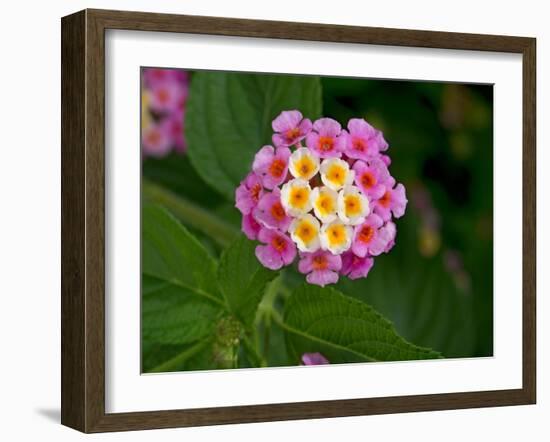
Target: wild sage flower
(331, 202)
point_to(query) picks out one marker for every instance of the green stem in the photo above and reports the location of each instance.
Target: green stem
(265, 308)
(189, 212)
(252, 351)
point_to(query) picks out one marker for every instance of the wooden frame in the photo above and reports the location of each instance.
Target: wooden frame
(83, 220)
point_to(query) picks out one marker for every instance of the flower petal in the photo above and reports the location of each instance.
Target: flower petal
(287, 120)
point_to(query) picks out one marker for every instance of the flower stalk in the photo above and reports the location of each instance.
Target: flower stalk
(190, 213)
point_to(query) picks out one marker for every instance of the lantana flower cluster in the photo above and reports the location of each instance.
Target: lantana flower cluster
(323, 194)
(163, 99)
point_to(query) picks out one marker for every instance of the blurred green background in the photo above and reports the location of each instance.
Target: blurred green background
(436, 285)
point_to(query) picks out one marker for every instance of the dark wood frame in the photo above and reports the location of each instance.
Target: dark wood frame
(83, 220)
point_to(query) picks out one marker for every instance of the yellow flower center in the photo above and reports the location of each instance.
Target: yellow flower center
(337, 174)
(299, 197)
(325, 204)
(336, 235)
(353, 205)
(306, 231)
(304, 167)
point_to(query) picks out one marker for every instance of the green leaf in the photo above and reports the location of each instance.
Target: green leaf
(243, 279)
(196, 356)
(174, 315)
(181, 301)
(343, 329)
(229, 118)
(158, 358)
(419, 296)
(175, 173)
(172, 254)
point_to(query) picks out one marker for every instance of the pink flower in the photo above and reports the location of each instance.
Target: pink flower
(164, 93)
(155, 142)
(314, 359)
(363, 141)
(386, 160)
(370, 177)
(167, 97)
(392, 201)
(291, 128)
(278, 251)
(172, 125)
(154, 76)
(271, 213)
(327, 139)
(248, 193)
(389, 231)
(369, 238)
(250, 226)
(180, 75)
(321, 267)
(271, 165)
(355, 267)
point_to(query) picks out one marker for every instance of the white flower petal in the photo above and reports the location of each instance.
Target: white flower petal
(304, 231)
(303, 164)
(353, 206)
(336, 237)
(336, 173)
(295, 197)
(325, 203)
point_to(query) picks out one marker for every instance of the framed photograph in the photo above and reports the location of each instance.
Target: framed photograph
(266, 221)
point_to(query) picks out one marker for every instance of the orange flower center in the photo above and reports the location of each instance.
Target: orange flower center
(153, 137)
(278, 243)
(277, 168)
(255, 192)
(368, 180)
(299, 197)
(163, 95)
(359, 144)
(366, 234)
(386, 199)
(292, 133)
(326, 144)
(277, 211)
(320, 262)
(351, 204)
